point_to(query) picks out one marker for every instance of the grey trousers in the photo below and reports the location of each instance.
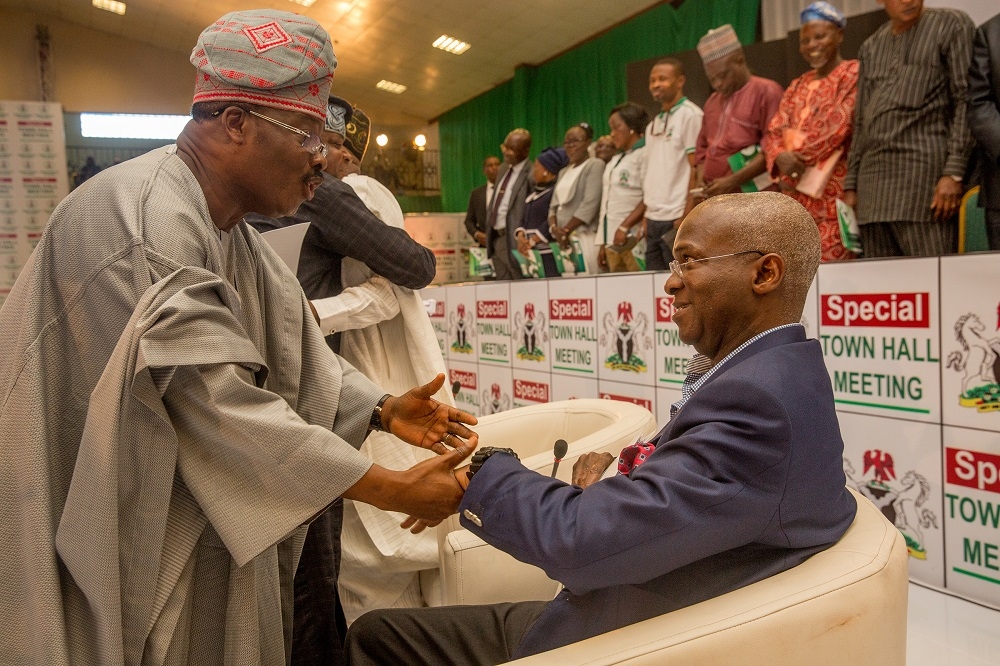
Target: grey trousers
(909, 239)
(658, 253)
(993, 228)
(467, 635)
(504, 264)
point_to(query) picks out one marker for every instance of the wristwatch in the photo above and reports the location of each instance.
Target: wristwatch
(376, 421)
(483, 454)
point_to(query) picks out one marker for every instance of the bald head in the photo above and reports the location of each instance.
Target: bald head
(516, 146)
(772, 223)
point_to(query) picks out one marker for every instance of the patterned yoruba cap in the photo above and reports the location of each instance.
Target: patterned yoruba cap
(718, 43)
(266, 57)
(358, 133)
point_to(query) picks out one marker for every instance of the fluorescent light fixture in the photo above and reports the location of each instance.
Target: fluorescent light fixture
(389, 86)
(110, 5)
(305, 3)
(451, 45)
(131, 126)
(382, 140)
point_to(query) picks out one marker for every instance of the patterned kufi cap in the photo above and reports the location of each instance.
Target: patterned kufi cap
(338, 114)
(358, 133)
(266, 57)
(718, 43)
(823, 11)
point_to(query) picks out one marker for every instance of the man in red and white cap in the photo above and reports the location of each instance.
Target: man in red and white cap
(170, 415)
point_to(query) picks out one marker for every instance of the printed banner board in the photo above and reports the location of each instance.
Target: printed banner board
(493, 337)
(495, 390)
(672, 355)
(810, 311)
(444, 235)
(664, 398)
(462, 323)
(626, 328)
(531, 388)
(897, 466)
(644, 396)
(467, 376)
(33, 180)
(571, 387)
(879, 331)
(436, 300)
(573, 326)
(972, 512)
(529, 308)
(970, 341)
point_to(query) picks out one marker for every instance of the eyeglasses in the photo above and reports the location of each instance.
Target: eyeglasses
(573, 142)
(677, 268)
(312, 143)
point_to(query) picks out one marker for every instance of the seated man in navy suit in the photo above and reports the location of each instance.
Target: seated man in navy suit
(743, 482)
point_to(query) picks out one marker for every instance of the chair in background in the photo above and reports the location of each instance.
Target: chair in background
(972, 224)
(472, 571)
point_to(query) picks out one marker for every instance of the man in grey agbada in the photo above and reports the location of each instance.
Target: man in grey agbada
(170, 415)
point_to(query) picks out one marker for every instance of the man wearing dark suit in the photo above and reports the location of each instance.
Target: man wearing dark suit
(744, 481)
(984, 119)
(478, 210)
(506, 206)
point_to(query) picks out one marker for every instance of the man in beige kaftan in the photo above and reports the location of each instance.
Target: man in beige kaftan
(170, 415)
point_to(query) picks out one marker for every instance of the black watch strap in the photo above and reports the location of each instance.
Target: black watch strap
(483, 454)
(376, 421)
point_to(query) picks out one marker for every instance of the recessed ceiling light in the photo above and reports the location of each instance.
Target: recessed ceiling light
(451, 45)
(389, 86)
(304, 3)
(110, 5)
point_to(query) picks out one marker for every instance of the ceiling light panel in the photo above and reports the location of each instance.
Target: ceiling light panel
(451, 45)
(111, 6)
(389, 86)
(304, 3)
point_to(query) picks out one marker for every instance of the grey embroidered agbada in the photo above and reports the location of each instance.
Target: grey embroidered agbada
(166, 410)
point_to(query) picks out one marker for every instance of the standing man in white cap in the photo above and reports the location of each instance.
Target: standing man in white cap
(736, 116)
(170, 416)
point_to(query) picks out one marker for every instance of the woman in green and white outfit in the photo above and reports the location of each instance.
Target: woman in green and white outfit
(621, 203)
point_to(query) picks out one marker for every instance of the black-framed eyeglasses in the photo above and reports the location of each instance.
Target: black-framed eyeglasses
(677, 268)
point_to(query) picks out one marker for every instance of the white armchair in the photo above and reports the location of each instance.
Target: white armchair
(472, 571)
(844, 605)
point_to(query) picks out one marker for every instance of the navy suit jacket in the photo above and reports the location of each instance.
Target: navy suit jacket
(746, 481)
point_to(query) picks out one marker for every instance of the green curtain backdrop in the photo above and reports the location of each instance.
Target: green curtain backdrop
(580, 85)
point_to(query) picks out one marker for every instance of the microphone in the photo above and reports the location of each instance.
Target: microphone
(455, 388)
(558, 453)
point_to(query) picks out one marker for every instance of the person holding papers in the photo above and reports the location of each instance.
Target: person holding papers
(807, 141)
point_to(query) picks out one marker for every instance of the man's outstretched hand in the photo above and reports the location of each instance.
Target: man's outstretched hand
(428, 490)
(418, 419)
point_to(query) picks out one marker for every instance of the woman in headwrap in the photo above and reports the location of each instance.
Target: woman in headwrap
(534, 231)
(807, 142)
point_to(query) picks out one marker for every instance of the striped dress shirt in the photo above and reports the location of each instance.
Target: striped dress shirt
(910, 125)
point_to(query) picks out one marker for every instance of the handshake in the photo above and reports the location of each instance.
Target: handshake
(431, 490)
